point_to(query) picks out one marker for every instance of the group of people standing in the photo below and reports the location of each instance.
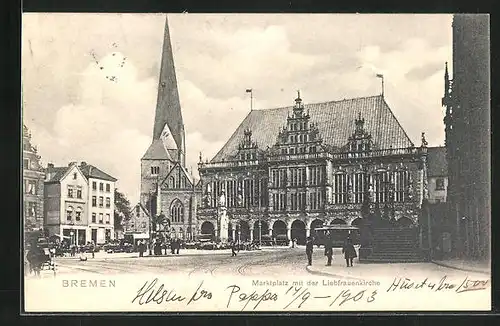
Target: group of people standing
(348, 250)
(158, 246)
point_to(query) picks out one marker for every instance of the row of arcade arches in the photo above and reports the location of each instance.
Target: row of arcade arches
(298, 228)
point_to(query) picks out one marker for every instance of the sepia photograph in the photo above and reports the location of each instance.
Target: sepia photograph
(255, 162)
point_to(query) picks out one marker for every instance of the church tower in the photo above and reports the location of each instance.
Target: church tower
(168, 145)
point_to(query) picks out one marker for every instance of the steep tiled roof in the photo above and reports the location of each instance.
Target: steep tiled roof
(90, 171)
(335, 121)
(57, 173)
(436, 162)
(156, 151)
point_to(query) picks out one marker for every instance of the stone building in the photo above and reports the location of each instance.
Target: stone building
(79, 203)
(287, 170)
(437, 174)
(168, 191)
(33, 177)
(468, 137)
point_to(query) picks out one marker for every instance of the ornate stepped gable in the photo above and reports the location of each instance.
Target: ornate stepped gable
(299, 135)
(333, 121)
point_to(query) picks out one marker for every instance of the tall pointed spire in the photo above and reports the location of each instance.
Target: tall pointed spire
(168, 108)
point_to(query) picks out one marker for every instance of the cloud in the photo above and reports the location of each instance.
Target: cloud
(109, 125)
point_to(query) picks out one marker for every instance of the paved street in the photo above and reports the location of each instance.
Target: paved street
(269, 262)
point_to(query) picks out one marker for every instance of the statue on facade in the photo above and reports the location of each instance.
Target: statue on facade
(424, 141)
(371, 194)
(223, 218)
(222, 199)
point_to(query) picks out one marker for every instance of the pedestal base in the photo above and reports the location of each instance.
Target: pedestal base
(365, 252)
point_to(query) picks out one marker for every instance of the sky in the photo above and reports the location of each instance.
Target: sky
(77, 112)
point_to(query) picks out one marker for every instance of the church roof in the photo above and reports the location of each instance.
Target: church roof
(156, 151)
(334, 119)
(437, 165)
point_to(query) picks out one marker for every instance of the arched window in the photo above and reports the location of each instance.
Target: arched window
(69, 213)
(78, 213)
(177, 211)
(172, 182)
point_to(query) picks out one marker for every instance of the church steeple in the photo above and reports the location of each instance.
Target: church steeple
(168, 108)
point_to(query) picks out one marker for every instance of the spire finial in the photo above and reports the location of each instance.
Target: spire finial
(298, 94)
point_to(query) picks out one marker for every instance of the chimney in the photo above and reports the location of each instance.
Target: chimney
(83, 163)
(71, 164)
(50, 166)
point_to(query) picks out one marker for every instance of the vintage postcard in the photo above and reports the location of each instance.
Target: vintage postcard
(248, 162)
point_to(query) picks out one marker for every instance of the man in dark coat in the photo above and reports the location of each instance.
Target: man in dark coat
(142, 248)
(328, 251)
(177, 245)
(233, 248)
(349, 252)
(309, 251)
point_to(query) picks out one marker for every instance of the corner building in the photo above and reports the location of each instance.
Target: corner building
(288, 170)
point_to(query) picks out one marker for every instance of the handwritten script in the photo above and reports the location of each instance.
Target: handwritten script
(239, 297)
(405, 284)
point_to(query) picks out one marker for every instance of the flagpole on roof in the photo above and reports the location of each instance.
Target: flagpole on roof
(249, 90)
(381, 77)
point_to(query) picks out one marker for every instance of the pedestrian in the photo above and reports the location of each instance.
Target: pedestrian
(92, 248)
(328, 251)
(309, 250)
(233, 248)
(178, 245)
(349, 252)
(141, 248)
(172, 246)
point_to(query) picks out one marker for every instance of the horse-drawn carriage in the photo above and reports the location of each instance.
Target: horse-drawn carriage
(40, 256)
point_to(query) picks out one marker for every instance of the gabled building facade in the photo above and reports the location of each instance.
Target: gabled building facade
(79, 203)
(288, 170)
(33, 177)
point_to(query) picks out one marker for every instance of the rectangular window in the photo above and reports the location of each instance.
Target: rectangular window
(340, 188)
(100, 217)
(101, 201)
(69, 213)
(155, 170)
(101, 186)
(94, 185)
(439, 184)
(108, 202)
(31, 186)
(107, 219)
(94, 217)
(26, 163)
(79, 193)
(94, 201)
(78, 215)
(108, 187)
(31, 209)
(70, 192)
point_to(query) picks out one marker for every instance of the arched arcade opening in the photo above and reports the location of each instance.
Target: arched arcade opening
(299, 231)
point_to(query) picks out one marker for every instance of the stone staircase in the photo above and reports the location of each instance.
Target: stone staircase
(395, 245)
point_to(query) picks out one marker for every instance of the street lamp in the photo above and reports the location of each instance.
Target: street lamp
(71, 233)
